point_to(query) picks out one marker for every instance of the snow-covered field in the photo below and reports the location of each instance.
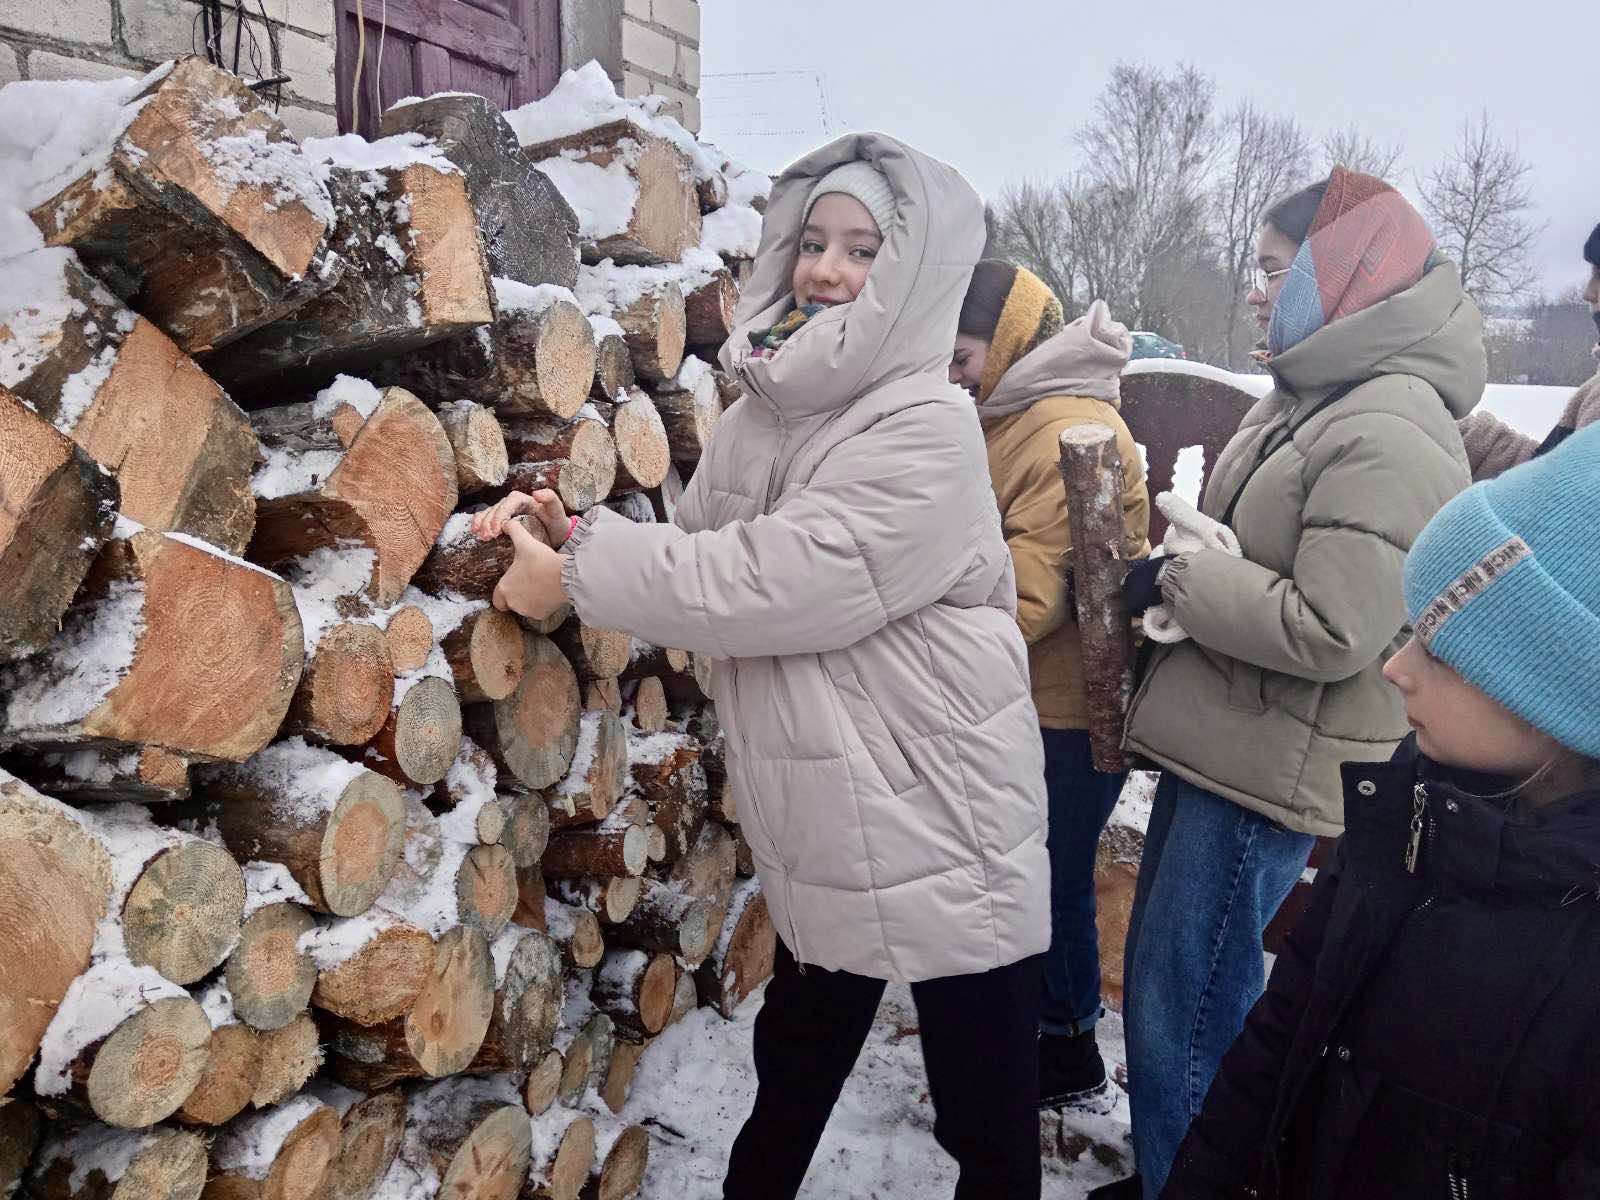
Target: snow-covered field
(696, 1085)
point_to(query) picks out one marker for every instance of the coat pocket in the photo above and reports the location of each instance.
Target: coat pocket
(874, 732)
(1245, 687)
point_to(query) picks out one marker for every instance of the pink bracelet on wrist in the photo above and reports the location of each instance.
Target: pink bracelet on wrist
(573, 526)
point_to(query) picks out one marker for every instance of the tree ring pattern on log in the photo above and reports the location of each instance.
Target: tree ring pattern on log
(363, 841)
(270, 977)
(183, 913)
(486, 888)
(410, 635)
(428, 731)
(51, 928)
(543, 717)
(496, 653)
(493, 1161)
(150, 1064)
(448, 1022)
(360, 686)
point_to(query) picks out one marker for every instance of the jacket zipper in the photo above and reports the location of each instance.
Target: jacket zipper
(1419, 812)
(733, 678)
(1460, 1186)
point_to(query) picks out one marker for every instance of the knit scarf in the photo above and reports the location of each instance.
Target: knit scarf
(770, 341)
(1031, 316)
(1366, 244)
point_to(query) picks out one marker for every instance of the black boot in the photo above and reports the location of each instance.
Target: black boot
(1123, 1189)
(1070, 1070)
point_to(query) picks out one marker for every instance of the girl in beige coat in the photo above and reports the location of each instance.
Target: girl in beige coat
(839, 553)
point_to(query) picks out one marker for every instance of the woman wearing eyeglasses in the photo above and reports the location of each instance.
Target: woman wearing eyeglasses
(1375, 351)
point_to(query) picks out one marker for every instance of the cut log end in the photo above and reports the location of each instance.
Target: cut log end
(410, 634)
(232, 1074)
(146, 1069)
(269, 976)
(448, 1022)
(289, 1057)
(182, 916)
(381, 980)
(345, 693)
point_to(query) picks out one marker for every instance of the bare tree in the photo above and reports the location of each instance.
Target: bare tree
(1031, 229)
(1263, 158)
(1478, 203)
(1138, 210)
(1354, 150)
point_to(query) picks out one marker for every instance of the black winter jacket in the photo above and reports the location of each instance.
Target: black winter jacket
(1427, 1034)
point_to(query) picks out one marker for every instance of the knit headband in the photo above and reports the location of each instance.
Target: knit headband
(1031, 315)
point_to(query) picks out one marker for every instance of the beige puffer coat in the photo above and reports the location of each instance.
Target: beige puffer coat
(840, 553)
(1283, 678)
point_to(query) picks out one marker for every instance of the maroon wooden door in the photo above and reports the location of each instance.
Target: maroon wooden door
(507, 50)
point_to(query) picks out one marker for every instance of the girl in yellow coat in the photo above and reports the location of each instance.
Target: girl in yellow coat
(1032, 377)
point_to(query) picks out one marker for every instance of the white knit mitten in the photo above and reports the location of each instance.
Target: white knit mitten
(1188, 531)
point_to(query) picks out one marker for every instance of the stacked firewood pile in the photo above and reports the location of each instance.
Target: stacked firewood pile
(318, 875)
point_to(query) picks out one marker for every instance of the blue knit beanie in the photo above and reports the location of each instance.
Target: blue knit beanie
(1504, 587)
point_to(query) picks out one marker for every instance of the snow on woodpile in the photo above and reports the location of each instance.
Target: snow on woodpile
(305, 781)
(82, 663)
(250, 1146)
(52, 133)
(97, 1148)
(347, 389)
(270, 883)
(585, 98)
(336, 940)
(511, 296)
(103, 997)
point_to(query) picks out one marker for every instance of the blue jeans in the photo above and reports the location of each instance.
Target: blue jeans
(1081, 799)
(1212, 877)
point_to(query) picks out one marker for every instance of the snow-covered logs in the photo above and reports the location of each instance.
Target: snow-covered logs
(654, 214)
(205, 214)
(536, 358)
(689, 407)
(173, 644)
(181, 451)
(414, 271)
(58, 507)
(337, 827)
(529, 231)
(392, 490)
(425, 926)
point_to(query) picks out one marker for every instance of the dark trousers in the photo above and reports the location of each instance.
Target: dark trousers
(979, 1043)
(1081, 800)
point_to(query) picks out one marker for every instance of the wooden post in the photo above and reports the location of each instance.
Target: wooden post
(1091, 469)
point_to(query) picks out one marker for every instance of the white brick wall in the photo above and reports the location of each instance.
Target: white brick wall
(10, 68)
(154, 30)
(44, 65)
(84, 21)
(680, 16)
(689, 66)
(649, 50)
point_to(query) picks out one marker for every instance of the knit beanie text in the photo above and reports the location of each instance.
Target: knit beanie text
(1503, 586)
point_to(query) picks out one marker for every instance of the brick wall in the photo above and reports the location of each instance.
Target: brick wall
(646, 46)
(104, 39)
(661, 54)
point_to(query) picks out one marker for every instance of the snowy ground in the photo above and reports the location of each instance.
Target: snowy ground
(697, 1077)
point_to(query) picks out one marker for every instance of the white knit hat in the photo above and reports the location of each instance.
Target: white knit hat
(865, 183)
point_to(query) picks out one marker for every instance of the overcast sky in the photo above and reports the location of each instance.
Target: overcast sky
(997, 86)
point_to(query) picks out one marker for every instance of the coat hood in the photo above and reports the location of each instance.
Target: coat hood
(1432, 330)
(903, 322)
(1085, 359)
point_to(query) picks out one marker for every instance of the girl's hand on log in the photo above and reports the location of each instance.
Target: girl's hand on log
(544, 504)
(532, 584)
